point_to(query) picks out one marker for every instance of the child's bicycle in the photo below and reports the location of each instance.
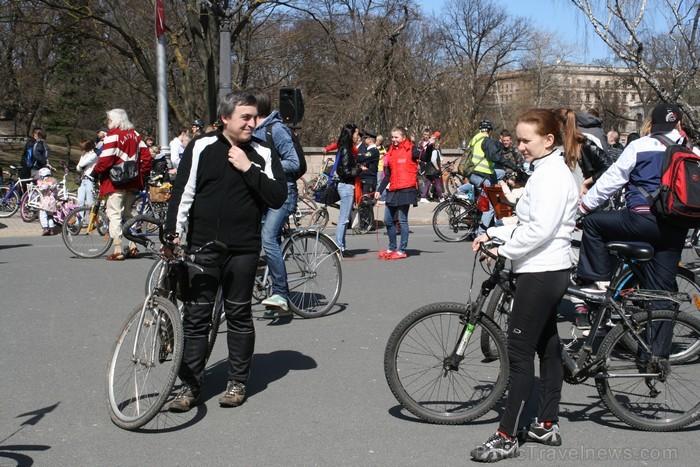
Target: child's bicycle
(646, 369)
(146, 356)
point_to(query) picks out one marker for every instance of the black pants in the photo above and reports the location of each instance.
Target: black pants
(533, 328)
(236, 275)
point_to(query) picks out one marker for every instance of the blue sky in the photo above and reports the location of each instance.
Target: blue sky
(556, 16)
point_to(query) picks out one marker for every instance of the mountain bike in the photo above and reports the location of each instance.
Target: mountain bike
(455, 219)
(436, 368)
(625, 278)
(146, 356)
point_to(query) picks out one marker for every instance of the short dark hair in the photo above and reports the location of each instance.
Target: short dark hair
(264, 101)
(505, 132)
(230, 101)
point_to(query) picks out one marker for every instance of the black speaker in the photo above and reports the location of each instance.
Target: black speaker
(291, 105)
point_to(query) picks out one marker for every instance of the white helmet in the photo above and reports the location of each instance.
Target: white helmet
(44, 172)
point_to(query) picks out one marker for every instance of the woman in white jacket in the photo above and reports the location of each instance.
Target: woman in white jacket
(86, 190)
(538, 247)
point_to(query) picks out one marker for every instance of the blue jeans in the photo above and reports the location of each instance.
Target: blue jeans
(86, 193)
(347, 195)
(389, 214)
(380, 176)
(271, 229)
(478, 181)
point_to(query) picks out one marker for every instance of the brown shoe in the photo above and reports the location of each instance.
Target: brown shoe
(133, 253)
(45, 233)
(233, 396)
(115, 257)
(187, 398)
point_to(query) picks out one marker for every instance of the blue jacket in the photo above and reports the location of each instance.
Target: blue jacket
(282, 139)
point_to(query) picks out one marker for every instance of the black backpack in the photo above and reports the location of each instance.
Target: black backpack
(297, 147)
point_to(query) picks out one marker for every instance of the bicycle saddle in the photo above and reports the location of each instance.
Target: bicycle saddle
(639, 251)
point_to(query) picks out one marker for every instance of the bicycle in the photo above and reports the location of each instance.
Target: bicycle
(29, 205)
(455, 219)
(436, 368)
(321, 179)
(625, 278)
(146, 356)
(314, 272)
(11, 196)
(451, 179)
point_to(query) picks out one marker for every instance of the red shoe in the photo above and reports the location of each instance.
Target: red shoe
(398, 255)
(385, 254)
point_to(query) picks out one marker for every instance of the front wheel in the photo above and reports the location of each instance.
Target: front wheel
(426, 376)
(29, 206)
(643, 392)
(86, 234)
(452, 183)
(144, 363)
(314, 273)
(9, 202)
(454, 220)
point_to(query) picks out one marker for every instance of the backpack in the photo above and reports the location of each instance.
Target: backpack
(466, 164)
(677, 200)
(34, 162)
(297, 147)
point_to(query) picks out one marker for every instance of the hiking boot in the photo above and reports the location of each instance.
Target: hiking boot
(187, 398)
(581, 317)
(276, 301)
(539, 433)
(496, 448)
(234, 395)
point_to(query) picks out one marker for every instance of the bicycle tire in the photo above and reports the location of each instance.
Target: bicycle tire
(9, 206)
(455, 220)
(138, 385)
(28, 210)
(314, 273)
(78, 240)
(452, 182)
(631, 398)
(414, 365)
(365, 223)
(319, 219)
(498, 310)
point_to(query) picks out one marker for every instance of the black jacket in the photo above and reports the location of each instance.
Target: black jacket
(594, 161)
(212, 200)
(370, 159)
(347, 168)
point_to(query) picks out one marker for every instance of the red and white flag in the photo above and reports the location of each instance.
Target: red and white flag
(160, 19)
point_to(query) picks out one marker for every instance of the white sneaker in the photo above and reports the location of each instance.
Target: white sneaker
(424, 200)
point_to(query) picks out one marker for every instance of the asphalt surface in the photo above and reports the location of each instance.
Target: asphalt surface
(317, 392)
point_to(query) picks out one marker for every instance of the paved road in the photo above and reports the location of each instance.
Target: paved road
(317, 391)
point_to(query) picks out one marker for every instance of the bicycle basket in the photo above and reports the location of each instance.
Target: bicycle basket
(159, 194)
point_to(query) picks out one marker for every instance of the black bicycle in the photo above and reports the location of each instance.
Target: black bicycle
(436, 368)
(455, 219)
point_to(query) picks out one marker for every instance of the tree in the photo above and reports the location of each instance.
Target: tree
(667, 62)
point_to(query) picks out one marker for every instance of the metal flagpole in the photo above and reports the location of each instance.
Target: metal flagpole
(162, 82)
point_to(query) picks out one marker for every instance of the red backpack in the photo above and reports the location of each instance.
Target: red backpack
(677, 200)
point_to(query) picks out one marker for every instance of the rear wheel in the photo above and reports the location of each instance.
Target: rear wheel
(646, 391)
(319, 219)
(9, 202)
(454, 220)
(314, 273)
(365, 221)
(498, 309)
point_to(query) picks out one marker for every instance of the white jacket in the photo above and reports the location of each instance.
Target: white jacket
(87, 162)
(541, 240)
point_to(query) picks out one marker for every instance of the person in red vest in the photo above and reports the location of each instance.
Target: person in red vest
(400, 170)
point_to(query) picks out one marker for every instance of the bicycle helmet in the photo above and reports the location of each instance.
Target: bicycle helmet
(44, 172)
(485, 125)
(198, 123)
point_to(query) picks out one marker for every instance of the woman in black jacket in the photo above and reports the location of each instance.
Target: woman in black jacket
(347, 171)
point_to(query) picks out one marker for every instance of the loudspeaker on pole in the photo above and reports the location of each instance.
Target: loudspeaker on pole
(291, 105)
